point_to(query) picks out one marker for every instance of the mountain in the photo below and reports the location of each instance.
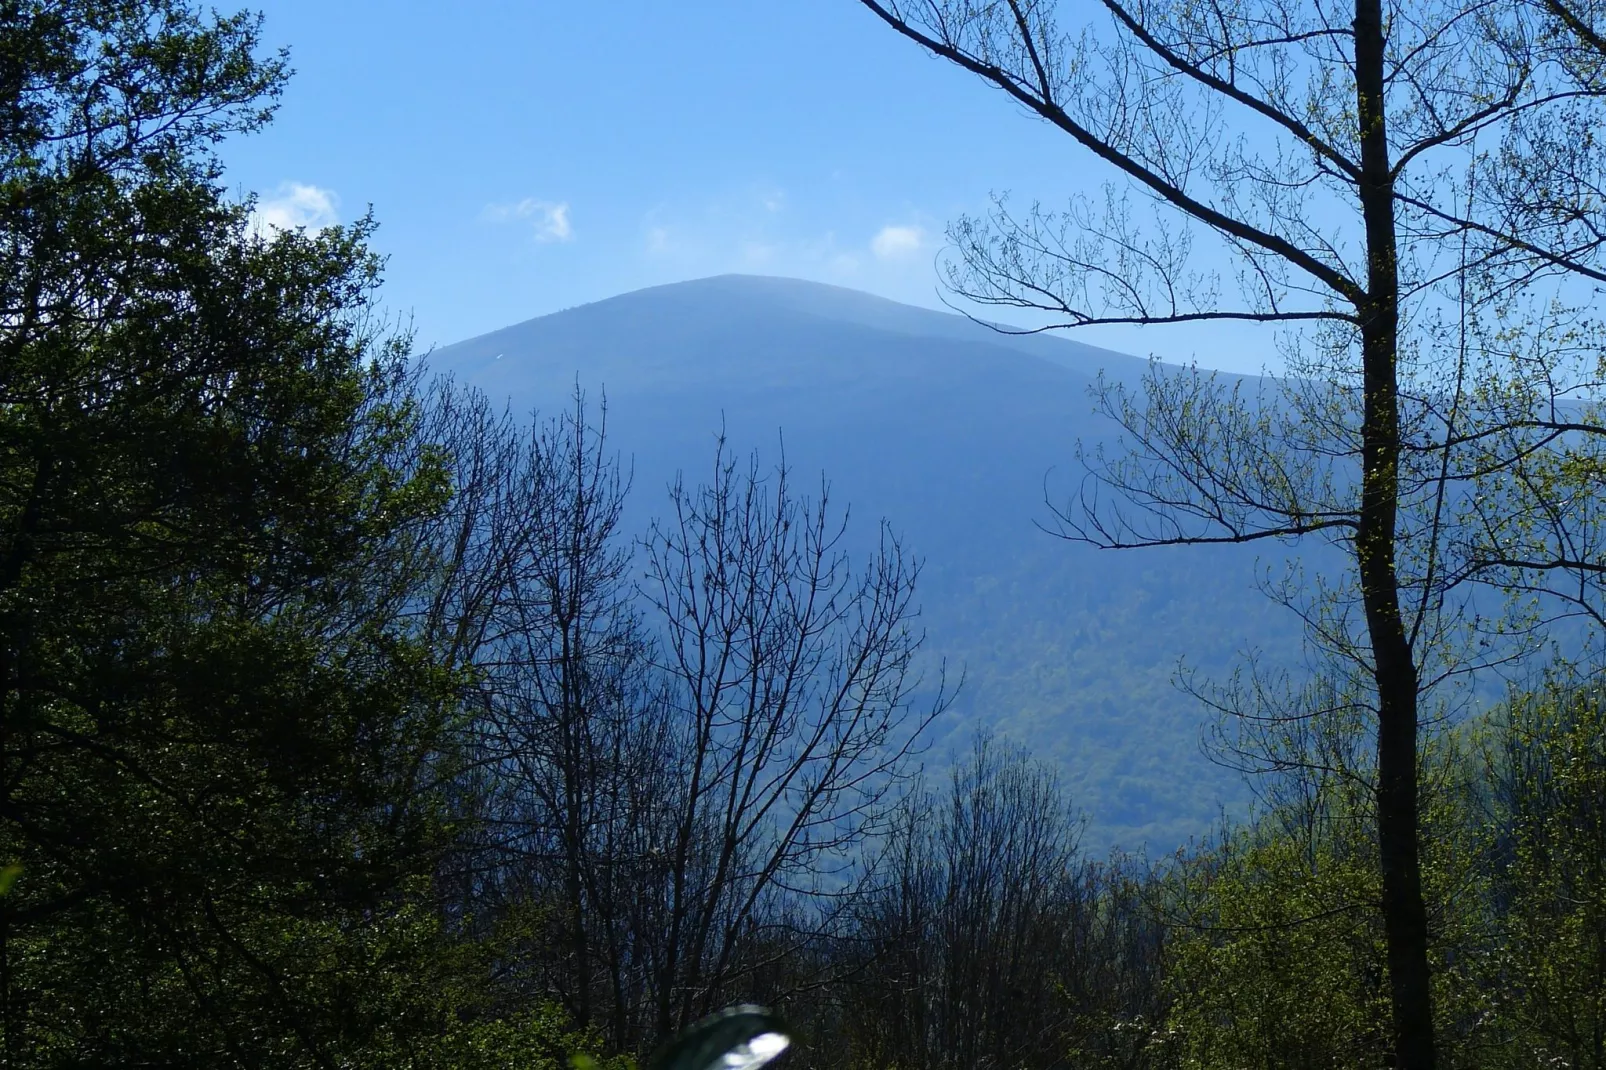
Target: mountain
(951, 431)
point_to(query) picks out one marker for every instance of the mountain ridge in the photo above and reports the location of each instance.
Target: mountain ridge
(824, 303)
(955, 434)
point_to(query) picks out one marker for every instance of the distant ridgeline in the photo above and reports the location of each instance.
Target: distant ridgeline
(952, 432)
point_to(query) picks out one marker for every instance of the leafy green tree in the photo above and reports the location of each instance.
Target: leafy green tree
(1277, 955)
(1545, 978)
(1283, 964)
(220, 730)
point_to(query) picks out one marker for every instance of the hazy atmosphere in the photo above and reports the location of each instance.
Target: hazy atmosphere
(526, 158)
(911, 534)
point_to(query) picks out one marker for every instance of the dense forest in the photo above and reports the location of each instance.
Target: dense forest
(345, 723)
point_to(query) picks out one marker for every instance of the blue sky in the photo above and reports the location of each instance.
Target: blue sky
(527, 157)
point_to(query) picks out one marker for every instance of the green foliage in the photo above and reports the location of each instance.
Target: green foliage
(1281, 958)
(1276, 956)
(221, 733)
(541, 1039)
(228, 729)
(1545, 976)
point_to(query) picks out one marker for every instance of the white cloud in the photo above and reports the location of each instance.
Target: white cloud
(895, 243)
(296, 204)
(550, 219)
(739, 232)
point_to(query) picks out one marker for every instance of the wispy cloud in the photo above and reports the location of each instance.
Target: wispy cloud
(550, 219)
(896, 243)
(296, 204)
(659, 241)
(756, 229)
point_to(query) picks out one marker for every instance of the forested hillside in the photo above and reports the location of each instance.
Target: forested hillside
(960, 438)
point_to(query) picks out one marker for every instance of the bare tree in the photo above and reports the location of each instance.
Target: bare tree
(1360, 167)
(990, 940)
(575, 724)
(573, 747)
(791, 676)
(684, 743)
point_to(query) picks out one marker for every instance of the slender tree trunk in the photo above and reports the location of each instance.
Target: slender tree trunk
(1404, 914)
(577, 786)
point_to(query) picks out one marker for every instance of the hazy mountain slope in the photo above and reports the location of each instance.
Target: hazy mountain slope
(947, 429)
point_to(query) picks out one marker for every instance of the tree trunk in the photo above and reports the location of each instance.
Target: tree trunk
(1404, 914)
